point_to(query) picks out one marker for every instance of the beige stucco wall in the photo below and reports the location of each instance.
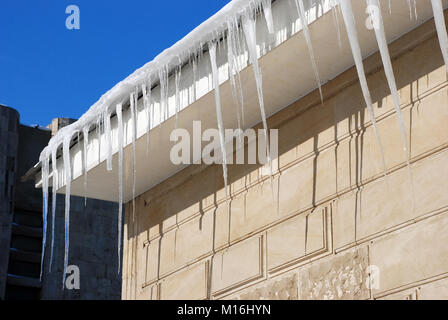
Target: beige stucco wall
(334, 215)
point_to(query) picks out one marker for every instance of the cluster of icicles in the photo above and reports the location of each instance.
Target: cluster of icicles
(234, 23)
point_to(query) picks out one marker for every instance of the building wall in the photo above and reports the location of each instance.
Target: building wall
(93, 228)
(93, 249)
(9, 135)
(329, 218)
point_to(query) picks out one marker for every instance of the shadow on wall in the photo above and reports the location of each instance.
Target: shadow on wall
(309, 132)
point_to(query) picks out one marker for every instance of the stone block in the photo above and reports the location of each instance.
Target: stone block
(341, 277)
(237, 266)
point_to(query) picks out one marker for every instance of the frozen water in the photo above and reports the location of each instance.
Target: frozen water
(120, 179)
(68, 182)
(349, 20)
(45, 175)
(306, 32)
(212, 51)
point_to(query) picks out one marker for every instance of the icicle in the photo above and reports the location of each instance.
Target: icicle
(267, 9)
(249, 31)
(349, 19)
(410, 8)
(439, 19)
(306, 32)
(334, 11)
(68, 183)
(146, 89)
(133, 100)
(119, 109)
(53, 199)
(108, 134)
(415, 9)
(235, 82)
(212, 51)
(45, 174)
(388, 70)
(385, 56)
(163, 77)
(235, 66)
(85, 133)
(177, 83)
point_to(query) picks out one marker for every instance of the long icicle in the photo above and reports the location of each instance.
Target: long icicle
(235, 51)
(388, 69)
(133, 100)
(212, 51)
(45, 174)
(249, 32)
(146, 90)
(119, 109)
(306, 32)
(53, 200)
(349, 20)
(85, 133)
(439, 19)
(108, 134)
(233, 70)
(68, 182)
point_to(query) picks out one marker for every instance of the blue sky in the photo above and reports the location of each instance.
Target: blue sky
(48, 71)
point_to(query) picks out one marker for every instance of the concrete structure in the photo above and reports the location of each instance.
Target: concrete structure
(93, 240)
(9, 136)
(336, 214)
(330, 224)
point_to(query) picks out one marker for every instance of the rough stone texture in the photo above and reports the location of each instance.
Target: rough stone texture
(9, 136)
(329, 159)
(339, 278)
(284, 288)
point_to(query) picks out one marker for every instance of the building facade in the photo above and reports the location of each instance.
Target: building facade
(337, 228)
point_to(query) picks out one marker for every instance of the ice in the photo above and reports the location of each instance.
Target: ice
(53, 200)
(163, 76)
(45, 175)
(212, 51)
(177, 83)
(267, 9)
(248, 21)
(306, 32)
(68, 182)
(146, 91)
(410, 8)
(133, 102)
(439, 18)
(349, 20)
(234, 72)
(119, 109)
(334, 10)
(85, 133)
(108, 134)
(385, 56)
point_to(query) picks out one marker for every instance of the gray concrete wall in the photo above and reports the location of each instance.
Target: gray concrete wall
(9, 126)
(93, 248)
(93, 228)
